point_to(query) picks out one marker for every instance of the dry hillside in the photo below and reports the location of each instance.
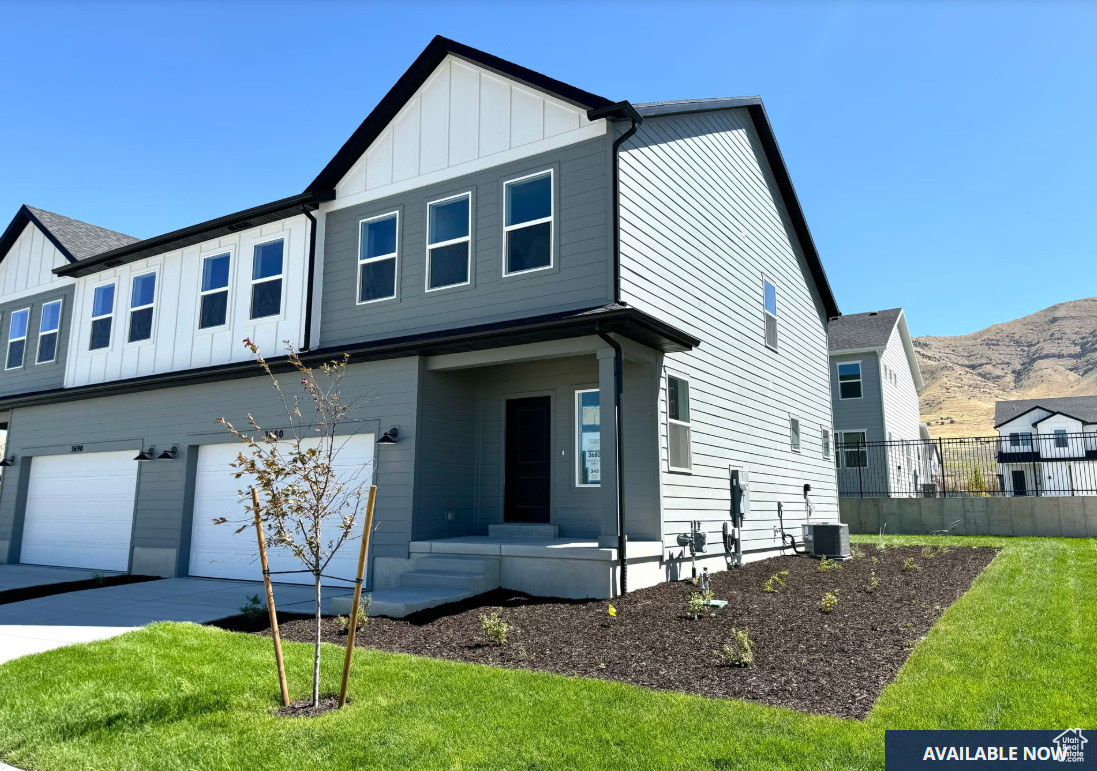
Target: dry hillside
(1049, 353)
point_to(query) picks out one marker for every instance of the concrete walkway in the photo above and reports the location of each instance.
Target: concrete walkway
(24, 576)
(39, 625)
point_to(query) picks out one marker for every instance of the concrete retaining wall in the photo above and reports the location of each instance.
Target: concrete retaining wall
(1069, 517)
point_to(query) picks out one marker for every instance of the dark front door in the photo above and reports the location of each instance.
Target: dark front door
(1019, 486)
(528, 460)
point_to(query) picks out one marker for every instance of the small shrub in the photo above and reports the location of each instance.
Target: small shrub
(873, 582)
(776, 582)
(829, 601)
(881, 544)
(697, 602)
(363, 614)
(910, 564)
(826, 565)
(99, 578)
(495, 627)
(874, 561)
(740, 651)
(856, 552)
(927, 553)
(253, 609)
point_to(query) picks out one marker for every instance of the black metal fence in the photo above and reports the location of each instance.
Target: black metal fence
(1019, 464)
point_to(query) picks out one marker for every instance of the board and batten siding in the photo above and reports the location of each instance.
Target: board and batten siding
(902, 414)
(701, 226)
(385, 392)
(27, 268)
(32, 377)
(580, 277)
(177, 343)
(864, 414)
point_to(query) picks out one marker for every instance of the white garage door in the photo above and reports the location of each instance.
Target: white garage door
(217, 551)
(80, 510)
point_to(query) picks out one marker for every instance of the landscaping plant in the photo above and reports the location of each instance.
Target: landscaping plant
(873, 582)
(311, 509)
(253, 609)
(740, 651)
(910, 564)
(363, 614)
(776, 582)
(495, 627)
(829, 601)
(697, 602)
(826, 565)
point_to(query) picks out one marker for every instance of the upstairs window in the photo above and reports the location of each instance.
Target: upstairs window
(678, 424)
(1020, 440)
(794, 433)
(48, 329)
(266, 279)
(102, 317)
(17, 338)
(1061, 437)
(377, 258)
(214, 293)
(142, 300)
(849, 380)
(770, 313)
(824, 433)
(528, 224)
(449, 224)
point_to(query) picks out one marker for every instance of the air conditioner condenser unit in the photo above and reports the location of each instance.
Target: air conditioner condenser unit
(827, 539)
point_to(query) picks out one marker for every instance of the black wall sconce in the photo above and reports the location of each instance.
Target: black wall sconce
(389, 437)
(148, 454)
(8, 461)
(168, 454)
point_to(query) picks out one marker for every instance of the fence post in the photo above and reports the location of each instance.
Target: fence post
(944, 468)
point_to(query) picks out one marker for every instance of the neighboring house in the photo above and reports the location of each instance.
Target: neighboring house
(1047, 446)
(875, 382)
(501, 254)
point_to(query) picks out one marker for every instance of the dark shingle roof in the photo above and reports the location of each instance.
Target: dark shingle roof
(862, 330)
(1084, 408)
(79, 238)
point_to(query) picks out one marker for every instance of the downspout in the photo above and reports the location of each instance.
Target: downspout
(310, 279)
(618, 388)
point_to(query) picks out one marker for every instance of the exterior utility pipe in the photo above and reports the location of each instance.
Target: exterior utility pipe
(310, 279)
(618, 389)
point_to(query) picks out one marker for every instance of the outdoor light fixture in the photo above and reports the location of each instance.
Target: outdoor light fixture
(389, 437)
(148, 454)
(168, 454)
(9, 461)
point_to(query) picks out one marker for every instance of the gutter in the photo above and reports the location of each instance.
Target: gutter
(309, 279)
(618, 388)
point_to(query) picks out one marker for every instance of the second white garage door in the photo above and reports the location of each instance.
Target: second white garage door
(217, 551)
(80, 510)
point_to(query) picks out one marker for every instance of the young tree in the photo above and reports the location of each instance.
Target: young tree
(311, 508)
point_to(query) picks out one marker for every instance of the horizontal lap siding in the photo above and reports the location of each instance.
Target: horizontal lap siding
(580, 277)
(864, 414)
(701, 226)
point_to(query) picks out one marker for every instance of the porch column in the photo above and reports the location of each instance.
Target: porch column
(607, 400)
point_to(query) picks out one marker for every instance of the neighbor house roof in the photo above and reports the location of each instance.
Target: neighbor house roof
(76, 240)
(1083, 408)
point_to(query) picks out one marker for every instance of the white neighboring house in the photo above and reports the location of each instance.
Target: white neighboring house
(1048, 446)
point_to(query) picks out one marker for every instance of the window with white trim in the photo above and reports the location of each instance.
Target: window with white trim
(102, 317)
(449, 240)
(142, 304)
(680, 455)
(1021, 440)
(769, 312)
(849, 380)
(377, 248)
(794, 433)
(213, 308)
(527, 225)
(267, 265)
(588, 427)
(854, 452)
(824, 433)
(49, 327)
(17, 338)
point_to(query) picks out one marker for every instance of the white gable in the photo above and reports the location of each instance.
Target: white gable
(463, 119)
(27, 267)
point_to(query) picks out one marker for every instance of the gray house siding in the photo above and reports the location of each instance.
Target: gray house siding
(32, 376)
(580, 276)
(387, 393)
(701, 227)
(864, 414)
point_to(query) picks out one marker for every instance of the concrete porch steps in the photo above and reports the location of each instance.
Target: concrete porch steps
(434, 580)
(397, 603)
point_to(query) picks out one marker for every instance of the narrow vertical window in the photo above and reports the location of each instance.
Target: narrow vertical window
(588, 426)
(849, 380)
(142, 302)
(266, 279)
(794, 433)
(770, 313)
(527, 226)
(17, 338)
(449, 224)
(377, 247)
(214, 302)
(824, 433)
(678, 424)
(102, 317)
(49, 327)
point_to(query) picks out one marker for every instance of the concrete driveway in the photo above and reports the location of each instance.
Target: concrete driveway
(39, 625)
(24, 576)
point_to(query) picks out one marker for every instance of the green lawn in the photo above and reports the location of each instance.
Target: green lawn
(1018, 651)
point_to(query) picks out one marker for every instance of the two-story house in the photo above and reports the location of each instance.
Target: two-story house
(875, 383)
(1047, 446)
(583, 318)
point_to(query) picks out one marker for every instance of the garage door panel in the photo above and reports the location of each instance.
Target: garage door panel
(79, 510)
(218, 551)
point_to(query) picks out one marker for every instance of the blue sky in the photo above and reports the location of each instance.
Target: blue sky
(944, 152)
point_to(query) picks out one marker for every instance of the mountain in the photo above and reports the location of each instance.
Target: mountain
(1049, 353)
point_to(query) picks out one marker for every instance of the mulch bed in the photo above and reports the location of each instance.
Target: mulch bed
(48, 590)
(833, 663)
(305, 708)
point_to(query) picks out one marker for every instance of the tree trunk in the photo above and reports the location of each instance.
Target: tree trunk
(316, 657)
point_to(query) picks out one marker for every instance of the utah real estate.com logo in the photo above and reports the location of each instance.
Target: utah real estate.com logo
(1070, 743)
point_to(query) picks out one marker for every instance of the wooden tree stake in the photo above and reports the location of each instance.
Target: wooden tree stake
(357, 595)
(270, 600)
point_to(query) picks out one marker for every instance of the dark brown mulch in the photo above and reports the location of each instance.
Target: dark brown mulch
(304, 707)
(48, 590)
(260, 623)
(829, 663)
